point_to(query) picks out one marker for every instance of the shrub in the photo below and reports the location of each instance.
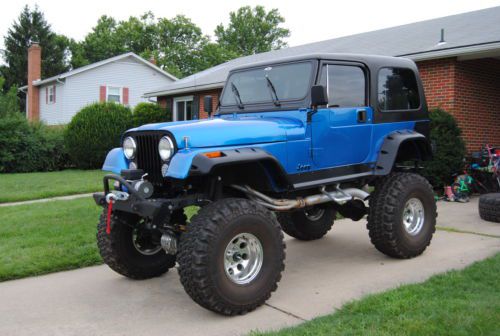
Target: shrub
(50, 140)
(93, 131)
(15, 144)
(449, 149)
(28, 147)
(148, 113)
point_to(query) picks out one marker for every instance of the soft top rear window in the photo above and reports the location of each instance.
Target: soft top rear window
(397, 89)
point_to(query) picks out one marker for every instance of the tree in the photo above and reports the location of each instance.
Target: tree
(102, 42)
(77, 54)
(214, 54)
(9, 101)
(180, 46)
(31, 26)
(176, 43)
(252, 31)
(139, 35)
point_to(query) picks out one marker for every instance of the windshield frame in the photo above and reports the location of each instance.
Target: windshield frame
(269, 105)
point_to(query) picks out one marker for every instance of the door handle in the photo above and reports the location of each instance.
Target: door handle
(361, 116)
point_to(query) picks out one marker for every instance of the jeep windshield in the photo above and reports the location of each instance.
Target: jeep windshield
(271, 84)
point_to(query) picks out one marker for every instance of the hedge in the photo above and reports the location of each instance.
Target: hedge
(93, 131)
(149, 113)
(26, 147)
(449, 149)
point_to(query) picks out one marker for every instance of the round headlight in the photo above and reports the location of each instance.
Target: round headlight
(165, 148)
(129, 148)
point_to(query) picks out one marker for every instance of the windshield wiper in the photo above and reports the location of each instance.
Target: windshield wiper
(237, 96)
(270, 85)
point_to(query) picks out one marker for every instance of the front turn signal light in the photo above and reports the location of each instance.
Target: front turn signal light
(213, 155)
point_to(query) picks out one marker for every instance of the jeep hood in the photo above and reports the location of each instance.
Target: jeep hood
(227, 131)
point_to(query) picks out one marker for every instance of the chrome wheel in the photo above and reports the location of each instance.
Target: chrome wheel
(143, 243)
(243, 258)
(314, 214)
(413, 216)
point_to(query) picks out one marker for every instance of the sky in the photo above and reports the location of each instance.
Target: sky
(308, 21)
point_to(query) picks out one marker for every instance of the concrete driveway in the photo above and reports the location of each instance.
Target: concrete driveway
(319, 277)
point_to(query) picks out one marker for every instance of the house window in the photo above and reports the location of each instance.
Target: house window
(183, 108)
(51, 94)
(114, 94)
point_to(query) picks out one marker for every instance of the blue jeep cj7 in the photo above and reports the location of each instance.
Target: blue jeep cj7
(292, 143)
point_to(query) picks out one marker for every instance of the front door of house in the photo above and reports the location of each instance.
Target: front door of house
(183, 108)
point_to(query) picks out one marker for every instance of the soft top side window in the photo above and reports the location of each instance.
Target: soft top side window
(397, 89)
(346, 85)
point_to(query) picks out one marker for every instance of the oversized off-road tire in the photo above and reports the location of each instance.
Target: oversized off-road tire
(489, 207)
(128, 250)
(231, 256)
(402, 215)
(310, 224)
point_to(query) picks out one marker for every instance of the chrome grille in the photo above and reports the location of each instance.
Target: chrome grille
(148, 158)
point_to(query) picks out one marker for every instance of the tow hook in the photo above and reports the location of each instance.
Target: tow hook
(111, 198)
(117, 196)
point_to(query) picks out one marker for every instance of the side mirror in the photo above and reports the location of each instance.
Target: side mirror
(319, 96)
(207, 104)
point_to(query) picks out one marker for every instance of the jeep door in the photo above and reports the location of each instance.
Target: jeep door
(341, 131)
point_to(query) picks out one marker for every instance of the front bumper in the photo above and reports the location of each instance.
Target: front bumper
(143, 208)
(136, 204)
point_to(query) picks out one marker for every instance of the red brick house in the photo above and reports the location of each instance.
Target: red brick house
(458, 57)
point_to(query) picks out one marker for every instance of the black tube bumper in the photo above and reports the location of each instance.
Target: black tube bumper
(154, 208)
(135, 203)
(143, 208)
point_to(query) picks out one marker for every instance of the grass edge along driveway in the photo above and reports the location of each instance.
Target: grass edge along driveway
(48, 237)
(464, 302)
(29, 186)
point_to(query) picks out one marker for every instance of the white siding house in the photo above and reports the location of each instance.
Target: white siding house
(123, 79)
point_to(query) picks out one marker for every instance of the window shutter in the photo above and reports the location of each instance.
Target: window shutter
(46, 95)
(102, 93)
(54, 94)
(125, 96)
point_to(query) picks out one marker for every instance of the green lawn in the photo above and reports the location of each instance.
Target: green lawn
(47, 237)
(29, 186)
(463, 302)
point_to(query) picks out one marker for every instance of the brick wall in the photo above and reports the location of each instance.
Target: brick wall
(215, 101)
(470, 90)
(167, 101)
(438, 78)
(477, 101)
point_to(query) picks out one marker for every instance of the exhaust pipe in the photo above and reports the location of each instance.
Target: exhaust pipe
(339, 196)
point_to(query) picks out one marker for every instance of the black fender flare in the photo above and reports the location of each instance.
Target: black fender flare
(203, 165)
(417, 142)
